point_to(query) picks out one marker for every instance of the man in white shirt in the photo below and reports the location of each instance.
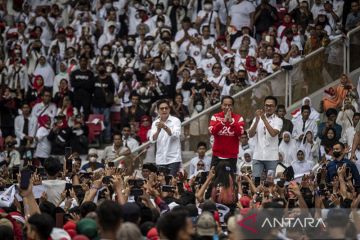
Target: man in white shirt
(349, 132)
(166, 132)
(304, 124)
(201, 161)
(46, 107)
(265, 129)
(182, 38)
(160, 74)
(241, 14)
(129, 141)
(25, 127)
(54, 186)
(116, 150)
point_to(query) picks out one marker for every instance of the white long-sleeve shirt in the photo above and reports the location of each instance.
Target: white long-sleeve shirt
(168, 148)
(194, 161)
(19, 127)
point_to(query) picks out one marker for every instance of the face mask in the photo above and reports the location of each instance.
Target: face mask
(131, 43)
(149, 43)
(106, 52)
(128, 55)
(159, 24)
(92, 159)
(17, 51)
(102, 71)
(199, 108)
(336, 154)
(107, 5)
(242, 79)
(208, 7)
(158, 11)
(166, 39)
(208, 55)
(109, 69)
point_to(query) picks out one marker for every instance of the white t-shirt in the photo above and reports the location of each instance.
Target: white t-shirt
(54, 188)
(240, 14)
(206, 21)
(267, 147)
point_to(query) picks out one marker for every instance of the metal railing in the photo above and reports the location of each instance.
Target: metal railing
(311, 73)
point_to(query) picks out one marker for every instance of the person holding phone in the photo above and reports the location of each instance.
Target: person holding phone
(93, 164)
(340, 160)
(226, 128)
(264, 130)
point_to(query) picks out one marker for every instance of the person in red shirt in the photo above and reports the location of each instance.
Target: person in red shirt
(226, 127)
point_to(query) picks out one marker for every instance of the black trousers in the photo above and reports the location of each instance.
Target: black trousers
(229, 162)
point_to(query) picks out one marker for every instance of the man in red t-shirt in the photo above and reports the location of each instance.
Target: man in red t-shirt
(226, 127)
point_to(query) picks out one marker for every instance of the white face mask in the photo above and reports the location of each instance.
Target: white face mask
(199, 108)
(158, 11)
(92, 159)
(17, 51)
(160, 24)
(208, 7)
(128, 55)
(131, 43)
(107, 5)
(106, 52)
(208, 55)
(109, 69)
(149, 43)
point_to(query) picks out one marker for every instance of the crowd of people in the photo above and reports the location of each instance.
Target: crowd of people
(141, 68)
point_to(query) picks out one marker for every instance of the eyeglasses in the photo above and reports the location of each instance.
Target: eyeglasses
(201, 165)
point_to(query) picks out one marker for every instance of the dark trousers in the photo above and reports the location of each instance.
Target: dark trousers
(174, 168)
(229, 162)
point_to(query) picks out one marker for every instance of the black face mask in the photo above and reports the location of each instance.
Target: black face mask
(166, 39)
(241, 79)
(337, 154)
(102, 71)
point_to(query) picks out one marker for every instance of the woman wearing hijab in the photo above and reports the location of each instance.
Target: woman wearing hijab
(301, 165)
(311, 146)
(288, 147)
(251, 69)
(44, 69)
(286, 24)
(314, 115)
(328, 141)
(34, 95)
(145, 126)
(244, 164)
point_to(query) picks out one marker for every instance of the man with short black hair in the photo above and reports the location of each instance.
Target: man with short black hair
(175, 225)
(287, 124)
(304, 124)
(54, 186)
(166, 132)
(265, 129)
(128, 140)
(226, 128)
(39, 226)
(201, 161)
(341, 161)
(109, 219)
(82, 80)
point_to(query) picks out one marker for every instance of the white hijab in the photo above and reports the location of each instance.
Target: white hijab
(314, 115)
(46, 72)
(288, 149)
